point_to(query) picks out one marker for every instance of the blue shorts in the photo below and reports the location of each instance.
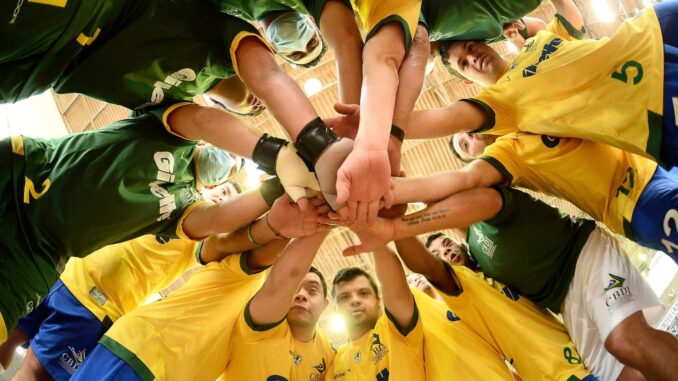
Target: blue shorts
(63, 332)
(103, 365)
(655, 219)
(667, 13)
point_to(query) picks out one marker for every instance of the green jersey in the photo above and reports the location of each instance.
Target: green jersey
(73, 195)
(256, 10)
(478, 20)
(173, 51)
(39, 40)
(530, 246)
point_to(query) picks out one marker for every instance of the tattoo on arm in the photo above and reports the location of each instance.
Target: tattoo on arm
(425, 217)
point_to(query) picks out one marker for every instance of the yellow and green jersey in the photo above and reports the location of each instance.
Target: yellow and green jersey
(608, 90)
(256, 10)
(479, 20)
(187, 336)
(374, 14)
(116, 279)
(603, 181)
(73, 195)
(452, 349)
(533, 340)
(383, 353)
(263, 353)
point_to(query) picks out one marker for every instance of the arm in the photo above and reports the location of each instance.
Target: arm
(435, 123)
(418, 259)
(339, 28)
(398, 299)
(477, 174)
(273, 87)
(271, 303)
(568, 9)
(214, 126)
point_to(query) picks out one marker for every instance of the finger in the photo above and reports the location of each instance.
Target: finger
(343, 188)
(402, 173)
(317, 201)
(304, 204)
(330, 221)
(354, 250)
(294, 193)
(352, 210)
(345, 109)
(388, 198)
(372, 212)
(362, 213)
(323, 209)
(335, 216)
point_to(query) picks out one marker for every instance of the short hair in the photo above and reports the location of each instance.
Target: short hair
(443, 50)
(433, 237)
(315, 61)
(348, 274)
(455, 152)
(315, 270)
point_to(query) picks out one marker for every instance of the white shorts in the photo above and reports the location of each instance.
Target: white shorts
(605, 290)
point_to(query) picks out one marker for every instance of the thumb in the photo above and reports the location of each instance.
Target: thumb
(303, 203)
(343, 187)
(355, 250)
(295, 192)
(345, 109)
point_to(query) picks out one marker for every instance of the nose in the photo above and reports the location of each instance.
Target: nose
(300, 297)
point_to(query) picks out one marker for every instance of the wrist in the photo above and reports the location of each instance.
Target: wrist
(272, 229)
(266, 152)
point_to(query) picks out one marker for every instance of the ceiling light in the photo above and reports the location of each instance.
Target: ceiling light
(312, 86)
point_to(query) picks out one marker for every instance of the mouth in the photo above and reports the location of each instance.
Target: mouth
(298, 307)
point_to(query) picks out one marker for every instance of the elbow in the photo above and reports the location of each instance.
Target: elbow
(491, 200)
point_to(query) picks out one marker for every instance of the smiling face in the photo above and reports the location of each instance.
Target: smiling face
(309, 302)
(357, 302)
(476, 61)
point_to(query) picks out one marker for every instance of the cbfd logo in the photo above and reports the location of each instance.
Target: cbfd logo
(486, 245)
(72, 361)
(618, 295)
(296, 357)
(378, 349)
(165, 163)
(358, 356)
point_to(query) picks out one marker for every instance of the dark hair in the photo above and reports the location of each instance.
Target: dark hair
(315, 270)
(348, 274)
(456, 153)
(315, 61)
(432, 237)
(443, 49)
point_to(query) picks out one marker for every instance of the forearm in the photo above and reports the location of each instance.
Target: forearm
(381, 62)
(435, 123)
(214, 126)
(274, 299)
(397, 296)
(430, 188)
(457, 211)
(339, 29)
(411, 75)
(273, 87)
(225, 217)
(217, 247)
(418, 259)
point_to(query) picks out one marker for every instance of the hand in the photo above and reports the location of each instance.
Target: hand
(362, 181)
(398, 210)
(373, 237)
(290, 221)
(298, 181)
(326, 170)
(346, 124)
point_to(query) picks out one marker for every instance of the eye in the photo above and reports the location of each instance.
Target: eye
(313, 43)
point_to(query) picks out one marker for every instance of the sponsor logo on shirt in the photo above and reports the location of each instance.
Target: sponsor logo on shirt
(72, 359)
(358, 357)
(296, 357)
(173, 80)
(165, 163)
(546, 53)
(452, 317)
(617, 294)
(486, 245)
(321, 368)
(31, 304)
(379, 350)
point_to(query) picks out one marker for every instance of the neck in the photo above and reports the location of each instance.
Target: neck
(357, 332)
(302, 333)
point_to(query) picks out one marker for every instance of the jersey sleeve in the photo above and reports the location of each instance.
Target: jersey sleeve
(504, 157)
(161, 114)
(376, 13)
(316, 8)
(499, 117)
(563, 28)
(250, 333)
(413, 334)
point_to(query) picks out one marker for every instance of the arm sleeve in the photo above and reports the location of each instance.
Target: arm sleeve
(563, 28)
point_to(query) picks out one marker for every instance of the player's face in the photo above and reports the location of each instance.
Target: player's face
(476, 61)
(219, 193)
(420, 282)
(470, 145)
(309, 302)
(512, 33)
(357, 303)
(309, 53)
(449, 251)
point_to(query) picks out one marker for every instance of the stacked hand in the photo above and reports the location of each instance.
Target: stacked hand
(288, 220)
(299, 183)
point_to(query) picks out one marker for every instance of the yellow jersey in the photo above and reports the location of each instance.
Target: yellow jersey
(187, 336)
(601, 180)
(532, 339)
(383, 353)
(374, 14)
(118, 278)
(271, 353)
(608, 90)
(454, 351)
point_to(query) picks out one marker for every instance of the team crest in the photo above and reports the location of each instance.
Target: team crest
(357, 357)
(296, 357)
(379, 350)
(321, 368)
(615, 282)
